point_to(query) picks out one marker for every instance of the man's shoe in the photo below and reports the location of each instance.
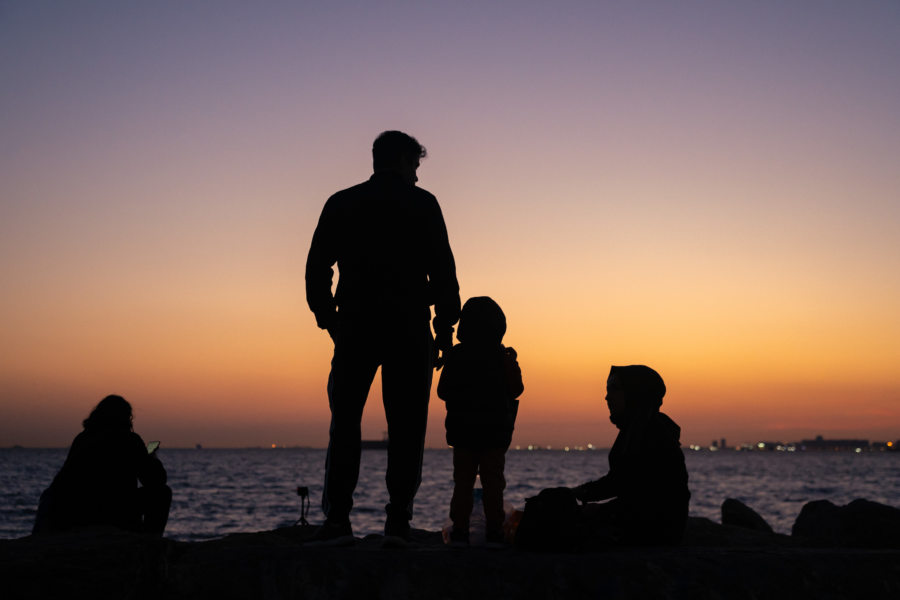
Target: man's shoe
(332, 534)
(459, 538)
(396, 532)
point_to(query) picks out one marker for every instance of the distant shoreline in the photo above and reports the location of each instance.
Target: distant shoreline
(687, 449)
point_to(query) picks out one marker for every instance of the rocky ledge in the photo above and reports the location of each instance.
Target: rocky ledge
(716, 561)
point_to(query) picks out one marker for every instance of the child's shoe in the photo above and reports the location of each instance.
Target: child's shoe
(494, 538)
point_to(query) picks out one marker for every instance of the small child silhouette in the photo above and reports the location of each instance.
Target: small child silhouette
(480, 382)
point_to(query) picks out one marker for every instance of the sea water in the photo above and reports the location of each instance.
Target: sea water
(219, 492)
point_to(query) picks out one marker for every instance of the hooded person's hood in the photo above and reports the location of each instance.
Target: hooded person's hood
(668, 427)
(481, 320)
(643, 389)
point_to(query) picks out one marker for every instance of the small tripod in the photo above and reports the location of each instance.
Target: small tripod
(303, 492)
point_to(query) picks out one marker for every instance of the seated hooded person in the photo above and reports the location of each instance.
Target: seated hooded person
(647, 478)
(98, 483)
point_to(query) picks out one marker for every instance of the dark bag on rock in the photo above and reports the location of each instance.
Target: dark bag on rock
(550, 522)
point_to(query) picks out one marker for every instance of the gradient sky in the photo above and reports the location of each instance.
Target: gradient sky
(709, 188)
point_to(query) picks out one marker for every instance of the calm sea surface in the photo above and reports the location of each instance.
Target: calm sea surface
(217, 492)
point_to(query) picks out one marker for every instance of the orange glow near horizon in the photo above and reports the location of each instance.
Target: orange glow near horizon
(702, 191)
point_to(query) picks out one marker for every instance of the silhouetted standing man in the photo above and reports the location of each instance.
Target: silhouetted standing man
(390, 244)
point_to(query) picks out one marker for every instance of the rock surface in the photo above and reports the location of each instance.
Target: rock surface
(860, 524)
(716, 562)
(735, 512)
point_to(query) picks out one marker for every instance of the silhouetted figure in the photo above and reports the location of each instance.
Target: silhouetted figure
(647, 477)
(390, 244)
(480, 383)
(98, 483)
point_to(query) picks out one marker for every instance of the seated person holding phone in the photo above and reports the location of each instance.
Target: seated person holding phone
(98, 483)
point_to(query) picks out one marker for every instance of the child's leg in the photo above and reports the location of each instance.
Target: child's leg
(493, 483)
(465, 467)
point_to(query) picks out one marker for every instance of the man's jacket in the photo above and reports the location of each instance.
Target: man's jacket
(390, 244)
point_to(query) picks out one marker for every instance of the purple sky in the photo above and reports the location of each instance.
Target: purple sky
(710, 188)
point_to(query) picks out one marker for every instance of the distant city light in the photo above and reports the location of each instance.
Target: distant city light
(819, 444)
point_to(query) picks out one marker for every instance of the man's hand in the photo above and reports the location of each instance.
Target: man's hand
(330, 324)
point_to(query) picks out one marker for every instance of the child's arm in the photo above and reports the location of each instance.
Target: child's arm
(512, 372)
(447, 382)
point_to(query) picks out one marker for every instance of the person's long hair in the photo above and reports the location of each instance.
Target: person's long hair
(112, 413)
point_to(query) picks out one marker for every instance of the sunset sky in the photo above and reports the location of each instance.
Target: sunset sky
(708, 188)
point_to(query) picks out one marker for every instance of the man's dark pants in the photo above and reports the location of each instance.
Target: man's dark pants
(403, 348)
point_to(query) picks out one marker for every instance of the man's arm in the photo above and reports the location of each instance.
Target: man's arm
(320, 271)
(443, 283)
